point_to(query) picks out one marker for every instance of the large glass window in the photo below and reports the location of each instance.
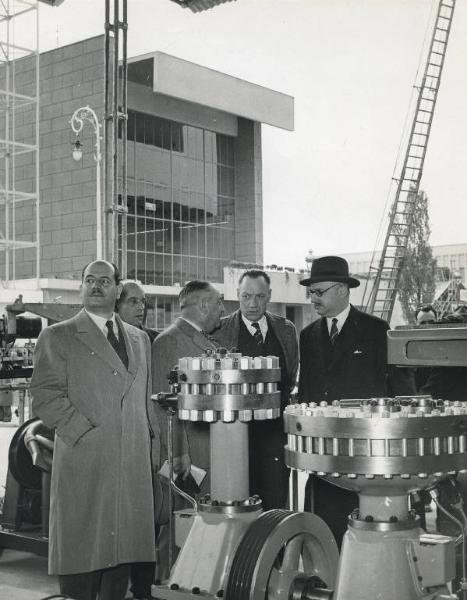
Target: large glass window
(181, 199)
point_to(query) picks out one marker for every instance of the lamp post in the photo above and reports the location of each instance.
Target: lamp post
(85, 113)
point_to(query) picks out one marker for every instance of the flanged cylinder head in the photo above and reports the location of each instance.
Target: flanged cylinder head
(228, 387)
(401, 443)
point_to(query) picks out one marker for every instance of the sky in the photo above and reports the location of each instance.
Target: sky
(351, 66)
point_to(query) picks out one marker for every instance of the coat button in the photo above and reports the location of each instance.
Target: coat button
(92, 353)
(115, 372)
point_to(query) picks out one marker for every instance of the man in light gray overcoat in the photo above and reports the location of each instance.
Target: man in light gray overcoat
(91, 383)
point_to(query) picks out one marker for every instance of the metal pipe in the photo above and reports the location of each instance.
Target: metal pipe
(115, 136)
(124, 121)
(170, 418)
(229, 461)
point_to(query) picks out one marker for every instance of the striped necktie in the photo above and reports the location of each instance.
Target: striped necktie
(334, 331)
(258, 336)
(118, 346)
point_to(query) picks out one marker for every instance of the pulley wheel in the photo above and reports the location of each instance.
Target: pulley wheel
(20, 460)
(279, 550)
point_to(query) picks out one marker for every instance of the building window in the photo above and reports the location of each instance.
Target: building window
(181, 201)
(162, 312)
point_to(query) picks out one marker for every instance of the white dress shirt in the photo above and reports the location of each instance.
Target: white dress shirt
(101, 323)
(263, 325)
(341, 319)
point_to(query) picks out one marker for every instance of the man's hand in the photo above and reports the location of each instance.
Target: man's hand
(182, 465)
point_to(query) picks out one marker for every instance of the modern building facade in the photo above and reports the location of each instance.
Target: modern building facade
(194, 177)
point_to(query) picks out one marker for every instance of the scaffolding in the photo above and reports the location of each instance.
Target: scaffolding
(19, 140)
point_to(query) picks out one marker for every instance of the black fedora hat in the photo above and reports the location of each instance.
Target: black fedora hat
(330, 268)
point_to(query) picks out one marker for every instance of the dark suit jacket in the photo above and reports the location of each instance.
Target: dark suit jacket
(178, 340)
(358, 367)
(227, 336)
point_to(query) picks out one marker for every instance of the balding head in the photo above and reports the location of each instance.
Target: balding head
(201, 304)
(100, 287)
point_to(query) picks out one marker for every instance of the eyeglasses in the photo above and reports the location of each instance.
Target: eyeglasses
(136, 302)
(104, 282)
(319, 293)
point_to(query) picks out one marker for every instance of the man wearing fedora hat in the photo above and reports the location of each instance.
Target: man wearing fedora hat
(342, 355)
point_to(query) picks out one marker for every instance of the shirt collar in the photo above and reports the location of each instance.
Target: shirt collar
(341, 318)
(263, 325)
(101, 321)
(194, 325)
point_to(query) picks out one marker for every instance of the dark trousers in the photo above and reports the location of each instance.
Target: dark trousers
(142, 577)
(105, 584)
(330, 502)
(269, 476)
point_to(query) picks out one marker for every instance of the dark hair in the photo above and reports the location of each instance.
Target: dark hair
(190, 288)
(124, 293)
(117, 275)
(255, 274)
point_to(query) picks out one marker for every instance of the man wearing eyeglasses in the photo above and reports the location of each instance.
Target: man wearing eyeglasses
(91, 383)
(342, 355)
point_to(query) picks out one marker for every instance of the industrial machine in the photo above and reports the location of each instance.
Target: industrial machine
(233, 550)
(19, 328)
(24, 516)
(24, 521)
(383, 448)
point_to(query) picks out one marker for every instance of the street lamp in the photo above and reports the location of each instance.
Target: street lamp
(85, 113)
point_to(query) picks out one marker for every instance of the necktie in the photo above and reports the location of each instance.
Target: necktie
(258, 336)
(118, 346)
(334, 331)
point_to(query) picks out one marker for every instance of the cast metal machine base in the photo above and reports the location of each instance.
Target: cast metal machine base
(276, 555)
(395, 560)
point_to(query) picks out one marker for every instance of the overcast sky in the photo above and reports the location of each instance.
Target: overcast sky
(351, 66)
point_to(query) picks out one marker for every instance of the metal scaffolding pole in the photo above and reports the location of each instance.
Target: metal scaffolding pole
(19, 145)
(115, 155)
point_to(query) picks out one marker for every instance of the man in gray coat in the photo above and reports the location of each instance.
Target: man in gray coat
(255, 332)
(201, 310)
(91, 383)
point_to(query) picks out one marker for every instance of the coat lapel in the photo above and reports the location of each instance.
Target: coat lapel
(90, 335)
(346, 338)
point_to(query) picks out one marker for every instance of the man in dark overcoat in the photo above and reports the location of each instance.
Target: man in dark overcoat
(342, 355)
(91, 383)
(254, 331)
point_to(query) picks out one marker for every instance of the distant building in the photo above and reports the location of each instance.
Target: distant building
(451, 256)
(194, 177)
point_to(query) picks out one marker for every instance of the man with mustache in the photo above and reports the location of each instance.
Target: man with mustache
(91, 383)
